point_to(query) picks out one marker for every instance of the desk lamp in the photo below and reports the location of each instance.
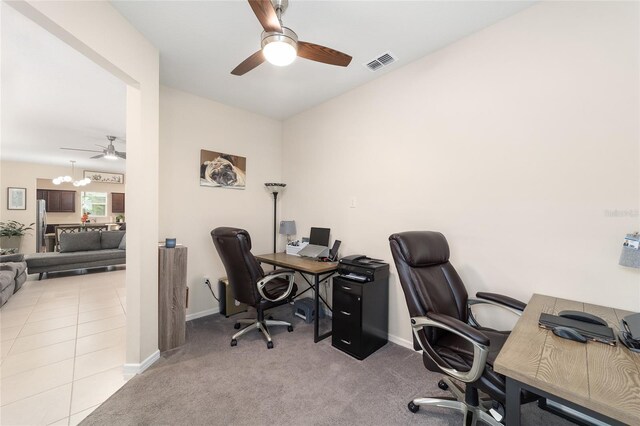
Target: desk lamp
(288, 228)
(275, 188)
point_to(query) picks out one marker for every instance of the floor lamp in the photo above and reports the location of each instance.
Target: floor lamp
(275, 188)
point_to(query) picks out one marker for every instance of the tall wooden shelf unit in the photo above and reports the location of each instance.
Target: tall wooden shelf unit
(172, 297)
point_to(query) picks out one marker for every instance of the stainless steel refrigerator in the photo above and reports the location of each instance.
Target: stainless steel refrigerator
(41, 225)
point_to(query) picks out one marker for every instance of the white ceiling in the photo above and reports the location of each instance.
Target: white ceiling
(52, 96)
(200, 42)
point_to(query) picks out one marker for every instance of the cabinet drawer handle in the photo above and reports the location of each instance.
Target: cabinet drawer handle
(346, 288)
(346, 313)
(345, 341)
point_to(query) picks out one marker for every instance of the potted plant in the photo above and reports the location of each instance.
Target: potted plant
(11, 233)
(85, 218)
(120, 218)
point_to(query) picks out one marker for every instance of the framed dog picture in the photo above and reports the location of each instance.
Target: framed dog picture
(222, 170)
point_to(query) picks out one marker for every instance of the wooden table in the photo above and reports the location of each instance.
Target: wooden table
(320, 271)
(600, 380)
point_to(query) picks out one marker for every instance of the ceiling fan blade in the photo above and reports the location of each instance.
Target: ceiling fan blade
(266, 14)
(78, 149)
(122, 155)
(97, 156)
(315, 52)
(100, 146)
(248, 64)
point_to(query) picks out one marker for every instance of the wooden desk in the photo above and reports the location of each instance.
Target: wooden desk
(600, 380)
(320, 272)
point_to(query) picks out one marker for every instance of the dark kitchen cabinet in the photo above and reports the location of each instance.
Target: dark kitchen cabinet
(117, 202)
(58, 201)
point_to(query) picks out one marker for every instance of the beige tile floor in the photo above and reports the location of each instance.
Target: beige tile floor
(62, 347)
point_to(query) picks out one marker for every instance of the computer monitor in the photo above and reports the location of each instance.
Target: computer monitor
(319, 236)
(333, 253)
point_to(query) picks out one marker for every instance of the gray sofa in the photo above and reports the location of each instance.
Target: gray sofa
(81, 250)
(13, 273)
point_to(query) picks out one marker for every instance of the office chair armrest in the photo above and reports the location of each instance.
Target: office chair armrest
(502, 300)
(479, 341)
(278, 273)
(512, 305)
(462, 329)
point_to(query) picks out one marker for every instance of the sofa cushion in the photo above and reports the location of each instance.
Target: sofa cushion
(16, 267)
(79, 241)
(7, 278)
(47, 259)
(111, 239)
(20, 279)
(17, 257)
(7, 292)
(123, 243)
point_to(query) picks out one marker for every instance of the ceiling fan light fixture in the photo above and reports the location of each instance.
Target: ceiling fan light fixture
(110, 156)
(280, 49)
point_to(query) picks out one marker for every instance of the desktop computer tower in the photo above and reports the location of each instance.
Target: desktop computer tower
(228, 304)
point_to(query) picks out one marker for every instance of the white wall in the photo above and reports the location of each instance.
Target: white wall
(99, 32)
(189, 211)
(15, 174)
(515, 143)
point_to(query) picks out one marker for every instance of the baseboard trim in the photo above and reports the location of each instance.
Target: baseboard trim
(394, 339)
(204, 313)
(130, 370)
(401, 342)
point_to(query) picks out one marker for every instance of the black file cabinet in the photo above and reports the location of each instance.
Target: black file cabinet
(360, 316)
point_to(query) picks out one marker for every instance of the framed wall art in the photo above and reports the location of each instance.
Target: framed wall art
(16, 198)
(222, 170)
(104, 177)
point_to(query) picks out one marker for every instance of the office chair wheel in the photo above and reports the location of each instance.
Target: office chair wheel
(290, 328)
(413, 407)
(442, 385)
(269, 345)
(234, 342)
(236, 326)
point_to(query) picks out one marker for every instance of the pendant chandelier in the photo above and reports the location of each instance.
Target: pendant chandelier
(70, 179)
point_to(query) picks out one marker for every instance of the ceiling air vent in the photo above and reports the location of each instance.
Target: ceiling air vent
(385, 59)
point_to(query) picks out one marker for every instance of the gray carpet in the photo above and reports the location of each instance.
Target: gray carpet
(206, 381)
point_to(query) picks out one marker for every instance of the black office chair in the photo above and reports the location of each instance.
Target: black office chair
(445, 329)
(249, 282)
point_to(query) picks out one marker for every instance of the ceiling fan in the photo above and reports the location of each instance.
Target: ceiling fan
(280, 44)
(109, 152)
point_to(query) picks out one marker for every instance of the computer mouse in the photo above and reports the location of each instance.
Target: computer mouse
(583, 316)
(569, 333)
